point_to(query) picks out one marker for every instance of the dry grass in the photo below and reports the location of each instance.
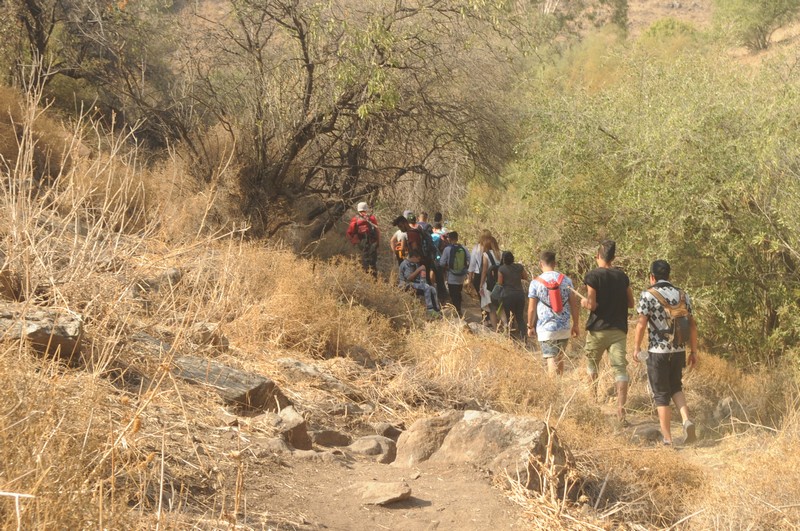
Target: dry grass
(96, 455)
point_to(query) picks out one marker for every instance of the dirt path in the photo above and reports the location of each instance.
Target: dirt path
(306, 494)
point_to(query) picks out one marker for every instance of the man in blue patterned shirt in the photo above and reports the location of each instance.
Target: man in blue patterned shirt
(666, 350)
(552, 328)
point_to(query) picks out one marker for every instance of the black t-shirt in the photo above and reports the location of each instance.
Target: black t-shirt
(611, 286)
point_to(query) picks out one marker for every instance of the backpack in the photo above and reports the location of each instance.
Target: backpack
(677, 331)
(428, 247)
(458, 260)
(491, 274)
(554, 293)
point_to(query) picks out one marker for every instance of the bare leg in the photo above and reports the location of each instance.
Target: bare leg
(555, 366)
(622, 397)
(664, 419)
(680, 403)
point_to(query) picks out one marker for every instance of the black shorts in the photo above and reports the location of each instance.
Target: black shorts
(665, 374)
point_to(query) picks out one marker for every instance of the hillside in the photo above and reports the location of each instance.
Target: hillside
(164, 364)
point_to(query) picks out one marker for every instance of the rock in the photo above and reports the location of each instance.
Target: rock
(209, 334)
(387, 430)
(49, 332)
(376, 493)
(271, 446)
(243, 389)
(424, 438)
(330, 438)
(325, 457)
(293, 427)
(646, 434)
(323, 381)
(382, 449)
(505, 445)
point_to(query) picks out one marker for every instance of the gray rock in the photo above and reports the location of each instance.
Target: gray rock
(376, 493)
(330, 438)
(381, 449)
(505, 445)
(646, 434)
(270, 446)
(50, 332)
(387, 430)
(322, 380)
(728, 408)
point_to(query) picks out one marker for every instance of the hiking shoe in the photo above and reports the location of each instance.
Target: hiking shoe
(433, 314)
(689, 432)
(667, 444)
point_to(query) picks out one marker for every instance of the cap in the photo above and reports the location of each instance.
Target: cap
(407, 213)
(411, 218)
(362, 207)
(398, 220)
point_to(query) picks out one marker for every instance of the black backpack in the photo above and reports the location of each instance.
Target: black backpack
(491, 274)
(429, 249)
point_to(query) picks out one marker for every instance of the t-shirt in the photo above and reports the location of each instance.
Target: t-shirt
(549, 324)
(611, 286)
(475, 260)
(657, 316)
(444, 261)
(407, 268)
(512, 278)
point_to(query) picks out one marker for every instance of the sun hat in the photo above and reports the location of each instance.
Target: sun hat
(407, 213)
(362, 207)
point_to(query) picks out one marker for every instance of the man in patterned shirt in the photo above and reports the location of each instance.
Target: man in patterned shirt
(665, 359)
(551, 328)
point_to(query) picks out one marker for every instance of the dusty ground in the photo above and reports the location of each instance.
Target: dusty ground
(642, 13)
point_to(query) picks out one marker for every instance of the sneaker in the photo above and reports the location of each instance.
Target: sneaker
(689, 431)
(433, 314)
(666, 444)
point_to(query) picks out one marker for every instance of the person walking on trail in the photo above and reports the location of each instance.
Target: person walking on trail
(363, 232)
(421, 241)
(455, 262)
(412, 275)
(398, 243)
(608, 299)
(666, 313)
(551, 304)
(475, 262)
(423, 224)
(490, 263)
(510, 275)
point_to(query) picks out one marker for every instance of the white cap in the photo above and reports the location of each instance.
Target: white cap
(362, 207)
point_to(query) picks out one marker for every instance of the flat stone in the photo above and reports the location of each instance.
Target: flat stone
(376, 493)
(382, 449)
(330, 438)
(294, 429)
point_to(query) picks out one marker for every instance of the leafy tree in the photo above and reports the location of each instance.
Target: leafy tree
(754, 21)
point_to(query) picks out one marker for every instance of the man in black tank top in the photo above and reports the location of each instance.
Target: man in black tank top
(609, 297)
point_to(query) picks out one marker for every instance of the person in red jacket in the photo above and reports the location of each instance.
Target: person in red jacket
(363, 231)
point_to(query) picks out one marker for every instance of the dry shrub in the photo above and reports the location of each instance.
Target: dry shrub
(51, 443)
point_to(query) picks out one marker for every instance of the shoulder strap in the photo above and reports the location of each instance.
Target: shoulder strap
(490, 255)
(660, 298)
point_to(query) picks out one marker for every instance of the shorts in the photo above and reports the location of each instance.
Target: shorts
(553, 347)
(613, 340)
(665, 373)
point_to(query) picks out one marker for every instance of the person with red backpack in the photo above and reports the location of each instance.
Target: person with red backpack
(363, 232)
(551, 304)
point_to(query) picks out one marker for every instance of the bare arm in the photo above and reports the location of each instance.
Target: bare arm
(638, 336)
(590, 302)
(575, 309)
(630, 297)
(484, 265)
(532, 316)
(691, 361)
(500, 278)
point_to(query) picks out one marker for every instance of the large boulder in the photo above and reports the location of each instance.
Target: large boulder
(520, 448)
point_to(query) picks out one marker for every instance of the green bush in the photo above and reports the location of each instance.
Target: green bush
(753, 22)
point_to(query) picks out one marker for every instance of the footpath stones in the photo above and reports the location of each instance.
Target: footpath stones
(377, 493)
(521, 448)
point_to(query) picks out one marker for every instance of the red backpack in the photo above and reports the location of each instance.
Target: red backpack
(554, 293)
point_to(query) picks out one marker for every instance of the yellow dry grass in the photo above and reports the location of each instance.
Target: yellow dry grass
(95, 455)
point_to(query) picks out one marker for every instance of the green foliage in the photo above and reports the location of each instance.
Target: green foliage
(681, 157)
(753, 22)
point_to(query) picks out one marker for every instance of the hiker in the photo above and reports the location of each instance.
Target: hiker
(412, 275)
(398, 243)
(551, 303)
(440, 238)
(363, 231)
(510, 275)
(608, 299)
(455, 261)
(420, 241)
(475, 261)
(666, 312)
(423, 224)
(490, 262)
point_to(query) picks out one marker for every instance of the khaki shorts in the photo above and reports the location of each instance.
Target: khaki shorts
(614, 341)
